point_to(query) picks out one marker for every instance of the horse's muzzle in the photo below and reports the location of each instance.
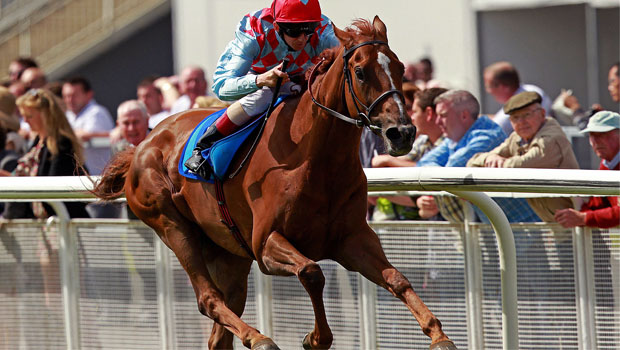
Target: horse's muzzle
(400, 139)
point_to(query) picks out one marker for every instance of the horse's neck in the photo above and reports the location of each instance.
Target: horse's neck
(334, 138)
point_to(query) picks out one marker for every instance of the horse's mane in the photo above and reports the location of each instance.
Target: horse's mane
(359, 28)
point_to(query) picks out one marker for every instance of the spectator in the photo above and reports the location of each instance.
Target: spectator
(501, 80)
(18, 66)
(8, 158)
(153, 100)
(409, 90)
(604, 212)
(132, 122)
(17, 88)
(9, 121)
(192, 84)
(209, 102)
(132, 125)
(613, 78)
(467, 134)
(56, 151)
(87, 118)
(169, 88)
(568, 106)
(55, 87)
(424, 73)
(429, 135)
(537, 142)
(8, 117)
(34, 78)
(411, 73)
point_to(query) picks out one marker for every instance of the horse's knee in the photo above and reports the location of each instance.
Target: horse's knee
(311, 276)
(208, 304)
(397, 282)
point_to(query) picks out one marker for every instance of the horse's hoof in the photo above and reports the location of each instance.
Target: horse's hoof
(265, 344)
(443, 345)
(306, 342)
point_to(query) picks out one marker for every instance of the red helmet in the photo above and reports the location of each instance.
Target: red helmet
(296, 11)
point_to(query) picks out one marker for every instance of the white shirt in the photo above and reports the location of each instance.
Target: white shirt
(180, 105)
(157, 118)
(612, 164)
(93, 117)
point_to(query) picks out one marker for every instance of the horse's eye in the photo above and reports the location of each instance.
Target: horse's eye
(359, 73)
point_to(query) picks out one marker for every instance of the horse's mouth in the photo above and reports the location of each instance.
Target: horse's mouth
(400, 139)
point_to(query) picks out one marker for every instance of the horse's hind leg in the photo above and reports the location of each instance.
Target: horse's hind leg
(362, 252)
(230, 274)
(192, 248)
(281, 258)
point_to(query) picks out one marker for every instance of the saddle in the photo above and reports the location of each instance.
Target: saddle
(221, 153)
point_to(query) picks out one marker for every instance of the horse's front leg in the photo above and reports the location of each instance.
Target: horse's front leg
(362, 252)
(280, 257)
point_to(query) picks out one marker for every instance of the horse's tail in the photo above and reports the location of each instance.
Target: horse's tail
(112, 182)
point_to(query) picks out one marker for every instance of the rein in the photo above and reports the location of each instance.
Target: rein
(363, 118)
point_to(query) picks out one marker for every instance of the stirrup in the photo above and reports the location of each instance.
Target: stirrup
(192, 164)
(204, 170)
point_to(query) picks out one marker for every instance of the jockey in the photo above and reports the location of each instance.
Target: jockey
(252, 63)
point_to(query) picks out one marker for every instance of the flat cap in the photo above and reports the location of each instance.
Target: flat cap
(521, 100)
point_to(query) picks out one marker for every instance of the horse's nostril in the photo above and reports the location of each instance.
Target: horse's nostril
(393, 134)
(411, 131)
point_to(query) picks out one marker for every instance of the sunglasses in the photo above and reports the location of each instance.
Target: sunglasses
(295, 30)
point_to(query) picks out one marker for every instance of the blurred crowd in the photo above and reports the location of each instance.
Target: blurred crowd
(57, 128)
(527, 132)
(47, 129)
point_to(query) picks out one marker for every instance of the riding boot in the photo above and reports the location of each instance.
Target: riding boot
(195, 163)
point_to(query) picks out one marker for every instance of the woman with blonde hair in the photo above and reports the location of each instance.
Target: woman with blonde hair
(55, 150)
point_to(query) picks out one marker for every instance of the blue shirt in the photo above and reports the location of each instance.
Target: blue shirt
(482, 136)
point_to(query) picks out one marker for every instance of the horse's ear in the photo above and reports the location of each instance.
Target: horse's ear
(380, 28)
(343, 36)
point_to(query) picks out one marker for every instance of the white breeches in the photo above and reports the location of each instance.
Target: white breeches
(258, 102)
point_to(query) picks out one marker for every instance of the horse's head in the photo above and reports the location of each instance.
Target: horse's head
(374, 77)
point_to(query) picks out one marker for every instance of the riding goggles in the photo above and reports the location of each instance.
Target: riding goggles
(294, 30)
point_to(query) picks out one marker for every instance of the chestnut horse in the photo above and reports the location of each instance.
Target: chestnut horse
(300, 198)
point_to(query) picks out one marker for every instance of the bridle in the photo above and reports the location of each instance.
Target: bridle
(363, 117)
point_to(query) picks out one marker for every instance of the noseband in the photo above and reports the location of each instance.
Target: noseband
(363, 117)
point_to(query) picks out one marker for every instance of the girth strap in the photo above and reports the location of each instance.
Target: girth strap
(228, 220)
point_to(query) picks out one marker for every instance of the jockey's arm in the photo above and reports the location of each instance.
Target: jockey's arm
(231, 80)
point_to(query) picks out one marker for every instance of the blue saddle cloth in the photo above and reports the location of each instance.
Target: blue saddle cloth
(221, 153)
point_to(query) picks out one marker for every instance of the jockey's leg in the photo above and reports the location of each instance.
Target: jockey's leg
(236, 115)
(231, 120)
